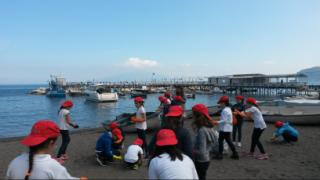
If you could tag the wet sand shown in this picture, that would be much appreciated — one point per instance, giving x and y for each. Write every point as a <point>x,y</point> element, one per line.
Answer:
<point>298,161</point>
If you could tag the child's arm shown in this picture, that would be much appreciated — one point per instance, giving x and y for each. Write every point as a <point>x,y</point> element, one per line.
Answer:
<point>136,119</point>
<point>68,119</point>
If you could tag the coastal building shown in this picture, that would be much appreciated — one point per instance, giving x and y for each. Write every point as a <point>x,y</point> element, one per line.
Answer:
<point>259,80</point>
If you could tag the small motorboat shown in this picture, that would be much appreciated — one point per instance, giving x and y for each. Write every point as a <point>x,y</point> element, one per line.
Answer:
<point>98,93</point>
<point>298,115</point>
<point>191,96</point>
<point>138,93</point>
<point>39,91</point>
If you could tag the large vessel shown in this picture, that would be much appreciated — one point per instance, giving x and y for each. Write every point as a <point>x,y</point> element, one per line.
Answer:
<point>56,87</point>
<point>98,93</point>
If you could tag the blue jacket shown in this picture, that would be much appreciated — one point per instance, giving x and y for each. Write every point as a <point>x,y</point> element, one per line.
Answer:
<point>286,127</point>
<point>104,144</point>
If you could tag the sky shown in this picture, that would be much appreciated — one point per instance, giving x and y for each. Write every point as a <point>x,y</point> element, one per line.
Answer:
<point>115,40</point>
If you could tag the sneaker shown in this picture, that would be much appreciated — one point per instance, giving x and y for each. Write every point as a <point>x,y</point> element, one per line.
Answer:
<point>239,144</point>
<point>262,157</point>
<point>119,158</point>
<point>235,156</point>
<point>64,157</point>
<point>100,162</point>
<point>135,167</point>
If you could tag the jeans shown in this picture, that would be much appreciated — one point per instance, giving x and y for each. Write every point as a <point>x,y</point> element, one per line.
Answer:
<point>142,135</point>
<point>202,168</point>
<point>237,129</point>
<point>65,142</point>
<point>225,136</point>
<point>288,137</point>
<point>255,140</point>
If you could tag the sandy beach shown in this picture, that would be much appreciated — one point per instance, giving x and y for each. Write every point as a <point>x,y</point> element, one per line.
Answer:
<point>298,161</point>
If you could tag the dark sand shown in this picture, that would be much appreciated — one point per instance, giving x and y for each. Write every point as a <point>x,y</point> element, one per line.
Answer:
<point>298,161</point>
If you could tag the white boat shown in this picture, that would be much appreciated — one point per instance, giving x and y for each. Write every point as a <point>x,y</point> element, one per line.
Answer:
<point>39,91</point>
<point>98,93</point>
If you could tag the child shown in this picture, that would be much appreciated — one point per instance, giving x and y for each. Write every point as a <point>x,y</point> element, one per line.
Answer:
<point>133,157</point>
<point>204,140</point>
<point>163,108</point>
<point>141,122</point>
<point>64,124</point>
<point>288,133</point>
<point>167,95</point>
<point>38,164</point>
<point>117,139</point>
<point>253,112</point>
<point>225,128</point>
<point>104,151</point>
<point>237,128</point>
<point>172,121</point>
<point>169,162</point>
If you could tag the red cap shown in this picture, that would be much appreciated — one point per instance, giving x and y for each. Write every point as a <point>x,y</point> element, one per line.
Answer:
<point>163,99</point>
<point>138,141</point>
<point>251,100</point>
<point>239,97</point>
<point>178,98</point>
<point>167,94</point>
<point>278,124</point>
<point>67,104</point>
<point>223,99</point>
<point>116,132</point>
<point>175,111</point>
<point>113,125</point>
<point>40,132</point>
<point>166,137</point>
<point>201,108</point>
<point>138,99</point>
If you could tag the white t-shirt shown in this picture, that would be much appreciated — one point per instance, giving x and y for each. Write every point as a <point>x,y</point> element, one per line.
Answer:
<point>163,168</point>
<point>63,125</point>
<point>257,117</point>
<point>140,114</point>
<point>132,153</point>
<point>44,167</point>
<point>225,123</point>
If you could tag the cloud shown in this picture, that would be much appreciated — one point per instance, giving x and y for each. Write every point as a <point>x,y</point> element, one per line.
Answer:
<point>140,63</point>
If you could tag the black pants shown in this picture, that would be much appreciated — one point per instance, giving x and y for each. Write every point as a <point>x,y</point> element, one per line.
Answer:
<point>288,137</point>
<point>142,135</point>
<point>104,157</point>
<point>237,129</point>
<point>225,136</point>
<point>65,142</point>
<point>255,140</point>
<point>202,168</point>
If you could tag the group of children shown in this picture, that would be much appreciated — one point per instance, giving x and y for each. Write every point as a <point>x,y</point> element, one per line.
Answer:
<point>172,152</point>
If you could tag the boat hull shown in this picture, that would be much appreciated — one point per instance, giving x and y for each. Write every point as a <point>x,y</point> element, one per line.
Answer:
<point>104,97</point>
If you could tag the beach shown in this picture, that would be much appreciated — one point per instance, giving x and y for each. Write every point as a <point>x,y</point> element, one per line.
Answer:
<point>298,161</point>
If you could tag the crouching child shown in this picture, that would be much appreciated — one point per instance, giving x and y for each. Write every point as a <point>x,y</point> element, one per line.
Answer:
<point>104,152</point>
<point>133,157</point>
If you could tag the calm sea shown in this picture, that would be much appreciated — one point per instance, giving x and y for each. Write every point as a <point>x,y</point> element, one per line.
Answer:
<point>19,110</point>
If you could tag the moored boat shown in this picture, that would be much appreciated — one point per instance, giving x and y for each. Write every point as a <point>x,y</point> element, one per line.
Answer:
<point>56,87</point>
<point>98,93</point>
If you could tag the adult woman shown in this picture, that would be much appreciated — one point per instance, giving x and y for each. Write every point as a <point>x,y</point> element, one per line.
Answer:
<point>64,124</point>
<point>141,122</point>
<point>225,127</point>
<point>204,139</point>
<point>253,113</point>
<point>38,164</point>
<point>168,162</point>
<point>237,128</point>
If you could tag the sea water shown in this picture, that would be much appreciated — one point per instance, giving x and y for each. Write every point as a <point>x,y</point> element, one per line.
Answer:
<point>19,109</point>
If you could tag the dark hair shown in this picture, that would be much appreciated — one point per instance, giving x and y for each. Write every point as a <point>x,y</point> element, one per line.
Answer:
<point>200,120</point>
<point>173,152</point>
<point>33,150</point>
<point>180,91</point>
<point>172,122</point>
